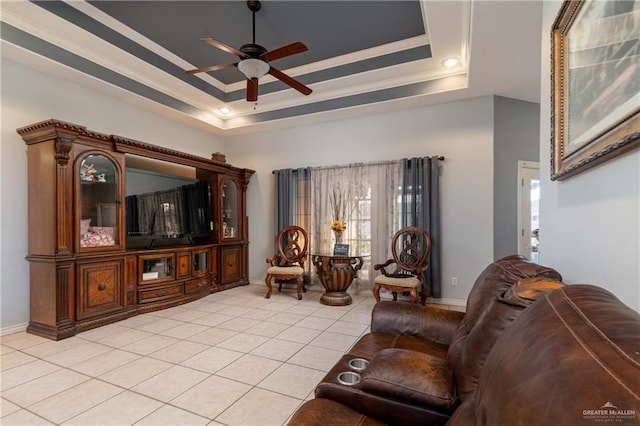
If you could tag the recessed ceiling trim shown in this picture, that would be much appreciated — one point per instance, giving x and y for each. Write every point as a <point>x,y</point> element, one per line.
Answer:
<point>143,50</point>
<point>352,58</point>
<point>143,41</point>
<point>352,85</point>
<point>99,51</point>
<point>319,67</point>
<point>362,99</point>
<point>21,39</point>
<point>59,23</point>
<point>78,40</point>
<point>270,85</point>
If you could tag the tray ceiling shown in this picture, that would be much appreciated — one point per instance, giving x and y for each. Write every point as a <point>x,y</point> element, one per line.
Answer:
<point>363,56</point>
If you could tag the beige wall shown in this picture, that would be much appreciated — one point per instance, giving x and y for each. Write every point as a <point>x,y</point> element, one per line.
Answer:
<point>461,131</point>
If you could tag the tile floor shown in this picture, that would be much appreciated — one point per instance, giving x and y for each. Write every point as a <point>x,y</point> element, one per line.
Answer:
<point>231,358</point>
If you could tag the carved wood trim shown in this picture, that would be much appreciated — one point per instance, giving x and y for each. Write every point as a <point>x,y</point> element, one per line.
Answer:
<point>64,203</point>
<point>129,146</point>
<point>65,297</point>
<point>64,143</point>
<point>49,129</point>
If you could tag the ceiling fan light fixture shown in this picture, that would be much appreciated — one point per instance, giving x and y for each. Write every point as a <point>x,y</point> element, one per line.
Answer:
<point>254,60</point>
<point>253,68</point>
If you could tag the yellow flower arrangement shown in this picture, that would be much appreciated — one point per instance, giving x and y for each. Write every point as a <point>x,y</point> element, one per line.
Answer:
<point>338,226</point>
<point>338,202</point>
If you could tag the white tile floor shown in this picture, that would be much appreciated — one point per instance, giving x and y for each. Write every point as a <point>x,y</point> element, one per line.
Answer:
<point>230,358</point>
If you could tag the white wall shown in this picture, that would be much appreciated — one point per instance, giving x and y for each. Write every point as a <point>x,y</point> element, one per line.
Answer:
<point>461,131</point>
<point>29,96</point>
<point>589,223</point>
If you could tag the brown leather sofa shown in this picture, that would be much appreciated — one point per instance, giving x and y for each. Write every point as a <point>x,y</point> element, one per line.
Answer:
<point>528,351</point>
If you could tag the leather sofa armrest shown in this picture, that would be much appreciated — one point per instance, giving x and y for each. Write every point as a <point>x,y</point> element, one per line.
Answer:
<point>430,323</point>
<point>322,412</point>
<point>387,410</point>
<point>411,376</point>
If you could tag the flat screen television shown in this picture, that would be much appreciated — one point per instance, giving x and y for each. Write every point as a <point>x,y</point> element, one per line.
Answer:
<point>166,210</point>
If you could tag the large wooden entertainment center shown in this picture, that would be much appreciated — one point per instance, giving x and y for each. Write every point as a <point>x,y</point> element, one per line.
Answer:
<point>85,269</point>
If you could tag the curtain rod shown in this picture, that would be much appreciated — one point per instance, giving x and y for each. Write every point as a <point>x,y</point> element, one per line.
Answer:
<point>335,166</point>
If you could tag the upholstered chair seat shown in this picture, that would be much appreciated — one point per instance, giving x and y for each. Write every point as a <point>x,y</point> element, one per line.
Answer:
<point>285,270</point>
<point>404,271</point>
<point>288,263</point>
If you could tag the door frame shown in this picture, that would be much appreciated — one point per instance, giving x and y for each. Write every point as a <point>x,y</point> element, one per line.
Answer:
<point>526,170</point>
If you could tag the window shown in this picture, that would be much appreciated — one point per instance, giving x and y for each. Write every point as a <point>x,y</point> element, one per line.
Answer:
<point>375,208</point>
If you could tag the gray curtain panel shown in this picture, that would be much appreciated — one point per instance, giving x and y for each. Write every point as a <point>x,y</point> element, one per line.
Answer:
<point>421,207</point>
<point>287,183</point>
<point>284,199</point>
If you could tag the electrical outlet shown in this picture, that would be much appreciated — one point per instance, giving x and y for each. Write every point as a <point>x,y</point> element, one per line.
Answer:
<point>454,280</point>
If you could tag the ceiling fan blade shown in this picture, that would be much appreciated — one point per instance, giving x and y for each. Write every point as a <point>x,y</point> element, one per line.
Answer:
<point>211,68</point>
<point>222,46</point>
<point>252,90</point>
<point>290,81</point>
<point>284,51</point>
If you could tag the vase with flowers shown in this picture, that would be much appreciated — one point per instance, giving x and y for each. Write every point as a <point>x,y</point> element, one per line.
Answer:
<point>338,229</point>
<point>339,201</point>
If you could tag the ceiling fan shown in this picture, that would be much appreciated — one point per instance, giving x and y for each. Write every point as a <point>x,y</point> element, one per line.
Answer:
<point>254,60</point>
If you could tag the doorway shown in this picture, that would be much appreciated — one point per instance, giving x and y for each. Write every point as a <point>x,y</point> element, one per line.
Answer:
<point>529,209</point>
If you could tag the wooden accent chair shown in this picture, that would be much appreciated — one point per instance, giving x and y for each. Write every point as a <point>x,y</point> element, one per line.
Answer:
<point>410,248</point>
<point>288,262</point>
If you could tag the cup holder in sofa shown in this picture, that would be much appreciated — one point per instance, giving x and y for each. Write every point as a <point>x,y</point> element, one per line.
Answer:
<point>348,378</point>
<point>358,364</point>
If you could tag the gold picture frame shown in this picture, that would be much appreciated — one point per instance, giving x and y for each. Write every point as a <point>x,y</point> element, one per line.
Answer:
<point>595,78</point>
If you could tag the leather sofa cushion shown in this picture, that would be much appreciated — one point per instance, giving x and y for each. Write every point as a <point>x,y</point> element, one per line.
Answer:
<point>372,343</point>
<point>426,322</point>
<point>493,281</point>
<point>468,354</point>
<point>572,352</point>
<point>411,376</point>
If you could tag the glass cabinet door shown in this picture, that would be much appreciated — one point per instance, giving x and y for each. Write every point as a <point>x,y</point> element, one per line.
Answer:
<point>98,195</point>
<point>155,268</point>
<point>200,262</point>
<point>230,198</point>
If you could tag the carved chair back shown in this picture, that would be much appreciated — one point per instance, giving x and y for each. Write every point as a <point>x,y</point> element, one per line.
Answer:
<point>292,246</point>
<point>410,249</point>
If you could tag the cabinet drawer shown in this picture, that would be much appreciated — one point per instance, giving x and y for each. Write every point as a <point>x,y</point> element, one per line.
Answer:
<point>160,293</point>
<point>196,286</point>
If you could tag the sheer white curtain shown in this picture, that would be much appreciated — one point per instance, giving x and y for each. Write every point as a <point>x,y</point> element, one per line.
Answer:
<point>371,194</point>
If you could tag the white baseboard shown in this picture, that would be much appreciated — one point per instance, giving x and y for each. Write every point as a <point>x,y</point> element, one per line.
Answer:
<point>13,329</point>
<point>452,302</point>
<point>441,301</point>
